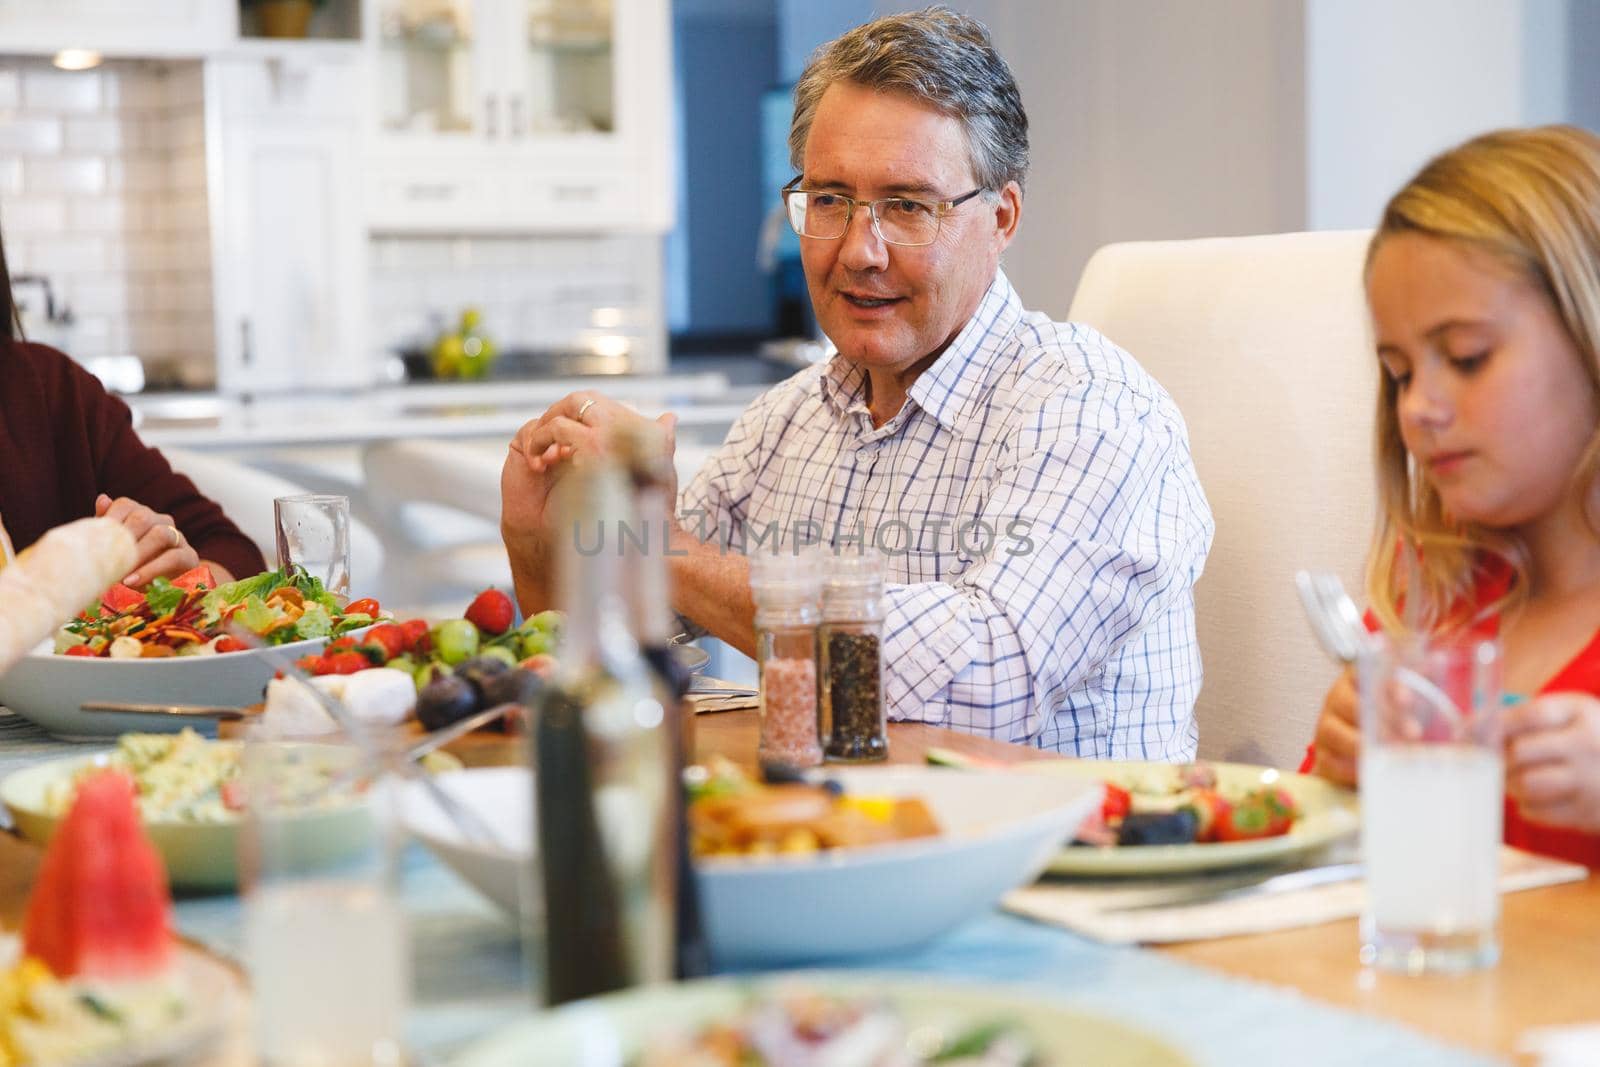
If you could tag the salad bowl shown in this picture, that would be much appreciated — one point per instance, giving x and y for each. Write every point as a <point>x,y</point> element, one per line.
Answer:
<point>50,690</point>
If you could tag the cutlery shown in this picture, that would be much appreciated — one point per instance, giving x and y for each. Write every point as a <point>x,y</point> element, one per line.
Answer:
<point>1338,626</point>
<point>182,711</point>
<point>1305,878</point>
<point>430,743</point>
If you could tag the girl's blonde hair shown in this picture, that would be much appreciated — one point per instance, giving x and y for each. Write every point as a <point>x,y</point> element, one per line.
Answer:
<point>1528,199</point>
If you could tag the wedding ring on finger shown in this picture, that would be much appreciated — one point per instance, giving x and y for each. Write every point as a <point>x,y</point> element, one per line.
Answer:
<point>174,535</point>
<point>584,407</point>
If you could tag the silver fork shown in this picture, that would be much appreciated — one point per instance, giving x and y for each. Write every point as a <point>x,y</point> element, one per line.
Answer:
<point>1340,630</point>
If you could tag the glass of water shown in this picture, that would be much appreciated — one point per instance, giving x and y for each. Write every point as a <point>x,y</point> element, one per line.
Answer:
<point>1432,782</point>
<point>325,932</point>
<point>314,533</point>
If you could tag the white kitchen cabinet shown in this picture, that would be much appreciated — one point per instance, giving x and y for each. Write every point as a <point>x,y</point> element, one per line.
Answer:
<point>136,28</point>
<point>283,143</point>
<point>520,115</point>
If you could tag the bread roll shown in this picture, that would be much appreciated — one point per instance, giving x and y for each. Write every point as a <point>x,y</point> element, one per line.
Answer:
<point>57,577</point>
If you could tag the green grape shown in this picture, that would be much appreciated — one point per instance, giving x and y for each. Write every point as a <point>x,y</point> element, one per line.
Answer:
<point>546,622</point>
<point>455,640</point>
<point>501,653</point>
<point>534,642</point>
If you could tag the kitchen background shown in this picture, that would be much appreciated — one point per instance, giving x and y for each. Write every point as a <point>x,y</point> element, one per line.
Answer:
<point>270,241</point>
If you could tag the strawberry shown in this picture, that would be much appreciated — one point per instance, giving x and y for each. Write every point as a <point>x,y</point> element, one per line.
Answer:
<point>491,611</point>
<point>389,637</point>
<point>416,635</point>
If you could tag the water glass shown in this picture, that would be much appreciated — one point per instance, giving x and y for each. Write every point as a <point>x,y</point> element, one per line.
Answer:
<point>325,936</point>
<point>314,533</point>
<point>1432,779</point>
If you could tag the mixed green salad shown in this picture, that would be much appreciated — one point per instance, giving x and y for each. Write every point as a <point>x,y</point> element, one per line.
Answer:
<point>192,615</point>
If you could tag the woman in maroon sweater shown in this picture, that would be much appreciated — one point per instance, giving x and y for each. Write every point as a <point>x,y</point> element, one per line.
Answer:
<point>70,452</point>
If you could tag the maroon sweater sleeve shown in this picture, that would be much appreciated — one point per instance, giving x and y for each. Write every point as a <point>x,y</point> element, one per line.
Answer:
<point>66,440</point>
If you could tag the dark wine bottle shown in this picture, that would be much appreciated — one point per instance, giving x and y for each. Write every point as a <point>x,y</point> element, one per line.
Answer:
<point>642,452</point>
<point>607,782</point>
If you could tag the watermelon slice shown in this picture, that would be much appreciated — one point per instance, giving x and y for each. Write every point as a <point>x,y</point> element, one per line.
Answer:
<point>195,576</point>
<point>101,907</point>
<point>120,598</point>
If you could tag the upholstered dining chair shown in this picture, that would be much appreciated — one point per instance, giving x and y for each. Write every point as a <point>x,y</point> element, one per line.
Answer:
<point>1265,345</point>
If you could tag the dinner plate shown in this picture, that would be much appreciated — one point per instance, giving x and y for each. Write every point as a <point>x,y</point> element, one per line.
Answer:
<point>1329,814</point>
<point>997,831</point>
<point>215,995</point>
<point>198,856</point>
<point>619,1027</point>
<point>48,689</point>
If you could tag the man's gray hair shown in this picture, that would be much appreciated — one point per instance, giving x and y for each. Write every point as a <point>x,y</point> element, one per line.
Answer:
<point>941,58</point>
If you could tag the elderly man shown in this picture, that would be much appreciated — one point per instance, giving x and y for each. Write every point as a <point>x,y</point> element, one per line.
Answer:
<point>1030,485</point>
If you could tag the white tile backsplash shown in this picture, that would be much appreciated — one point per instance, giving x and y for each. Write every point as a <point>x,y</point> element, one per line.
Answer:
<point>64,174</point>
<point>46,89</point>
<point>102,188</point>
<point>40,135</point>
<point>533,292</point>
<point>102,134</point>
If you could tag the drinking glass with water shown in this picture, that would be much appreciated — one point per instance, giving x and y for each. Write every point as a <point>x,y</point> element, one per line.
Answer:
<point>314,533</point>
<point>1432,779</point>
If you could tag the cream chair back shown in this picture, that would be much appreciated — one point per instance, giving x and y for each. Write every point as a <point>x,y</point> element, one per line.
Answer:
<point>1264,343</point>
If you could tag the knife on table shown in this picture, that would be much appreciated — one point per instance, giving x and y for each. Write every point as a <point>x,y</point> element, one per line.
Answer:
<point>1306,878</point>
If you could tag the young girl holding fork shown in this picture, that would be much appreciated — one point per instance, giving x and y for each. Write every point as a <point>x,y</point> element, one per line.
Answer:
<point>1483,281</point>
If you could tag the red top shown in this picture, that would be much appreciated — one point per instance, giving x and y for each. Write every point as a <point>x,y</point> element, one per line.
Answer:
<point>65,440</point>
<point>1581,675</point>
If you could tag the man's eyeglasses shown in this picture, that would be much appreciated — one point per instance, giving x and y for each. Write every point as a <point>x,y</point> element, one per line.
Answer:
<point>898,220</point>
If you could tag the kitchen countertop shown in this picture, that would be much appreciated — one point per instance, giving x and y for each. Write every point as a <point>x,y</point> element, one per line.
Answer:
<point>703,400</point>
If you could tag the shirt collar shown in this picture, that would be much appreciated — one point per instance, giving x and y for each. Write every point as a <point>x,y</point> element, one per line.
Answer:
<point>952,384</point>
<point>949,388</point>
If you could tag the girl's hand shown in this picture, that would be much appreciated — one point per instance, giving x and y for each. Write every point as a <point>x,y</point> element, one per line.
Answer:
<point>1337,748</point>
<point>1553,759</point>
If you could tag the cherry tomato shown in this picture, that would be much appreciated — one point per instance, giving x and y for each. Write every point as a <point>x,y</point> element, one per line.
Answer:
<point>230,643</point>
<point>80,650</point>
<point>346,662</point>
<point>364,606</point>
<point>1116,804</point>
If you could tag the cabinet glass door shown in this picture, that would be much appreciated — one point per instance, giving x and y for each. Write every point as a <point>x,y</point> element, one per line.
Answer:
<point>568,69</point>
<point>430,71</point>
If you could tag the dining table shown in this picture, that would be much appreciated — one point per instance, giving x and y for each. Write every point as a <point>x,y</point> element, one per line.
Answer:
<point>1291,996</point>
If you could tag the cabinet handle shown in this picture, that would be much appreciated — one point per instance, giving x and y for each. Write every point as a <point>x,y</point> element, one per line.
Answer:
<point>517,128</point>
<point>246,348</point>
<point>491,116</point>
<point>430,191</point>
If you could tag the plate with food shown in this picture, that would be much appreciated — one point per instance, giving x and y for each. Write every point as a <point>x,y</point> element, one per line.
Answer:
<point>766,855</point>
<point>191,800</point>
<point>173,644</point>
<point>833,1018</point>
<point>95,977</point>
<point>1159,818</point>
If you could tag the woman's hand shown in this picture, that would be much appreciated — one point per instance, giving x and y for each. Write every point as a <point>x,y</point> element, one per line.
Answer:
<point>1553,759</point>
<point>1337,748</point>
<point>162,550</point>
